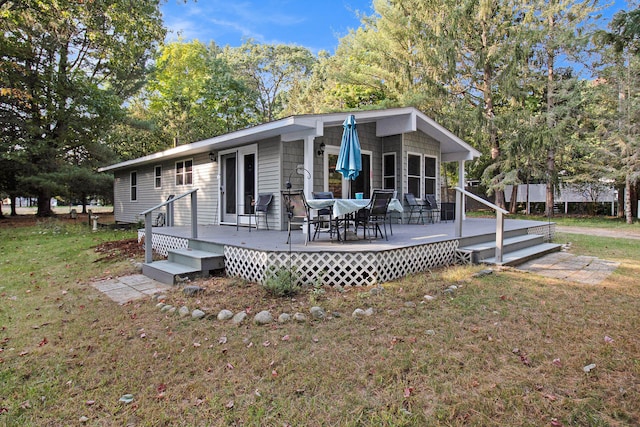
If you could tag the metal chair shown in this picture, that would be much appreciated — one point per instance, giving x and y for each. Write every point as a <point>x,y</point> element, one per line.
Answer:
<point>324,215</point>
<point>259,208</point>
<point>375,214</point>
<point>298,211</point>
<point>415,206</point>
<point>432,206</point>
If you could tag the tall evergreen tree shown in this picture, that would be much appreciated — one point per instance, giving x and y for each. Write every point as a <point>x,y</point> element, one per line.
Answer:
<point>66,68</point>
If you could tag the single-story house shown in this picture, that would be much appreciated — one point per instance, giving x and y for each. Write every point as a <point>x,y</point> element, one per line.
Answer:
<point>402,149</point>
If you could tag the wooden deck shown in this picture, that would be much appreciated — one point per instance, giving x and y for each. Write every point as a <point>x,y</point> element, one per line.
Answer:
<point>411,248</point>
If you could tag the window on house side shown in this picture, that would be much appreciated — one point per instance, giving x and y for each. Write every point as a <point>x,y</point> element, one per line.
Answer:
<point>134,186</point>
<point>158,177</point>
<point>184,172</point>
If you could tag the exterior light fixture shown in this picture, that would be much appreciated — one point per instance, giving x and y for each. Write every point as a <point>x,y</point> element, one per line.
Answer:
<point>213,156</point>
<point>321,149</point>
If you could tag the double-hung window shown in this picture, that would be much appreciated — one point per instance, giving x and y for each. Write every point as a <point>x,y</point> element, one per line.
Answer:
<point>414,175</point>
<point>430,175</point>
<point>184,172</point>
<point>158,177</point>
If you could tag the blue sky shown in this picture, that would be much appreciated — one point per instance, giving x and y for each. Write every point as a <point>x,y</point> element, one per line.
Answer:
<point>314,24</point>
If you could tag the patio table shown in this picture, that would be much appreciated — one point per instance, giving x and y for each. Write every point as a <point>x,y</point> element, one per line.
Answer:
<point>345,207</point>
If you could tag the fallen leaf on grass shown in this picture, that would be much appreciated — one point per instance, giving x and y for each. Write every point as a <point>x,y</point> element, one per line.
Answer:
<point>230,367</point>
<point>222,340</point>
<point>557,362</point>
<point>589,368</point>
<point>43,342</point>
<point>90,402</point>
<point>25,405</point>
<point>229,404</point>
<point>408,391</point>
<point>196,344</point>
<point>161,388</point>
<point>551,397</point>
<point>555,422</point>
<point>608,339</point>
<point>285,338</point>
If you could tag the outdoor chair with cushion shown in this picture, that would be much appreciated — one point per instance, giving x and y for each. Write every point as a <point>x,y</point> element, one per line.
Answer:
<point>415,206</point>
<point>324,215</point>
<point>375,214</point>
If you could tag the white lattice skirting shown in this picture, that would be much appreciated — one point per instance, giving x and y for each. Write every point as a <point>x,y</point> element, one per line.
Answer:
<point>547,230</point>
<point>343,268</point>
<point>162,243</point>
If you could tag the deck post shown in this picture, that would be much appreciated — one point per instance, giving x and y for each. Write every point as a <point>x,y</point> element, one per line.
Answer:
<point>458,214</point>
<point>194,215</point>
<point>148,238</point>
<point>499,236</point>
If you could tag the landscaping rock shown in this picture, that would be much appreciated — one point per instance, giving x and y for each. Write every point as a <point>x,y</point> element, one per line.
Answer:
<point>239,317</point>
<point>358,312</point>
<point>429,297</point>
<point>197,314</point>
<point>172,310</point>
<point>284,318</point>
<point>317,313</point>
<point>166,308</point>
<point>183,311</point>
<point>161,297</point>
<point>160,305</point>
<point>483,273</point>
<point>225,315</point>
<point>410,304</point>
<point>263,318</point>
<point>300,317</point>
<point>192,290</point>
<point>369,311</point>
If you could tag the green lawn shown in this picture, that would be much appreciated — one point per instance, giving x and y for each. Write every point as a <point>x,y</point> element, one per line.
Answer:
<point>504,349</point>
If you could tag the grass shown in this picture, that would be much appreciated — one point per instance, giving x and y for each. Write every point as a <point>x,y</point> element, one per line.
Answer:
<point>504,349</point>
<point>608,222</point>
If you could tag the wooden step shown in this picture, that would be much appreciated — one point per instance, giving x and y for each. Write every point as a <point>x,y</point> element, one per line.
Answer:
<point>198,259</point>
<point>167,271</point>
<point>487,249</point>
<point>523,255</point>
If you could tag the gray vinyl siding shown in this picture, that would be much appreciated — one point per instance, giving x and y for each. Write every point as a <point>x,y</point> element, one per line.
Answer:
<point>204,178</point>
<point>292,156</point>
<point>269,177</point>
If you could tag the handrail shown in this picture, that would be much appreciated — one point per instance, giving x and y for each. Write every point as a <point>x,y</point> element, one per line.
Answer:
<point>499,219</point>
<point>166,202</point>
<point>148,227</point>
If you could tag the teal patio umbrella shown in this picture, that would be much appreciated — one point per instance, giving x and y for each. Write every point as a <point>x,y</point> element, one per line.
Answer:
<point>349,162</point>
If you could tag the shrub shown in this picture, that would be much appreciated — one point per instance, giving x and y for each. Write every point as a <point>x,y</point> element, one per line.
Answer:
<point>281,282</point>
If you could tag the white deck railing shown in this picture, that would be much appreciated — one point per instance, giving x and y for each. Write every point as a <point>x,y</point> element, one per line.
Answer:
<point>148,224</point>
<point>499,219</point>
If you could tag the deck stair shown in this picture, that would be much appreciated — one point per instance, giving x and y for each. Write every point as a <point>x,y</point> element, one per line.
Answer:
<point>197,260</point>
<point>518,247</point>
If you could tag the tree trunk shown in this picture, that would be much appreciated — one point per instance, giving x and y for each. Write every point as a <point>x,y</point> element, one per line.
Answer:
<point>14,199</point>
<point>514,199</point>
<point>628,211</point>
<point>44,204</point>
<point>551,154</point>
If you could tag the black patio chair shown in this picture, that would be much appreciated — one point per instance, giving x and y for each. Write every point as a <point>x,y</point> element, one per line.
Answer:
<point>432,206</point>
<point>298,211</point>
<point>259,208</point>
<point>375,214</point>
<point>324,215</point>
<point>415,206</point>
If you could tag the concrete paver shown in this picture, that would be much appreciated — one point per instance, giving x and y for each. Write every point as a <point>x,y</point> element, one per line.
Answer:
<point>565,266</point>
<point>129,288</point>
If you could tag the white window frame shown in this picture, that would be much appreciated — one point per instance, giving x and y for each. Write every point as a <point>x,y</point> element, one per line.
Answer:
<point>385,176</point>
<point>184,174</point>
<point>133,187</point>
<point>157,178</point>
<point>434,177</point>
<point>419,176</point>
